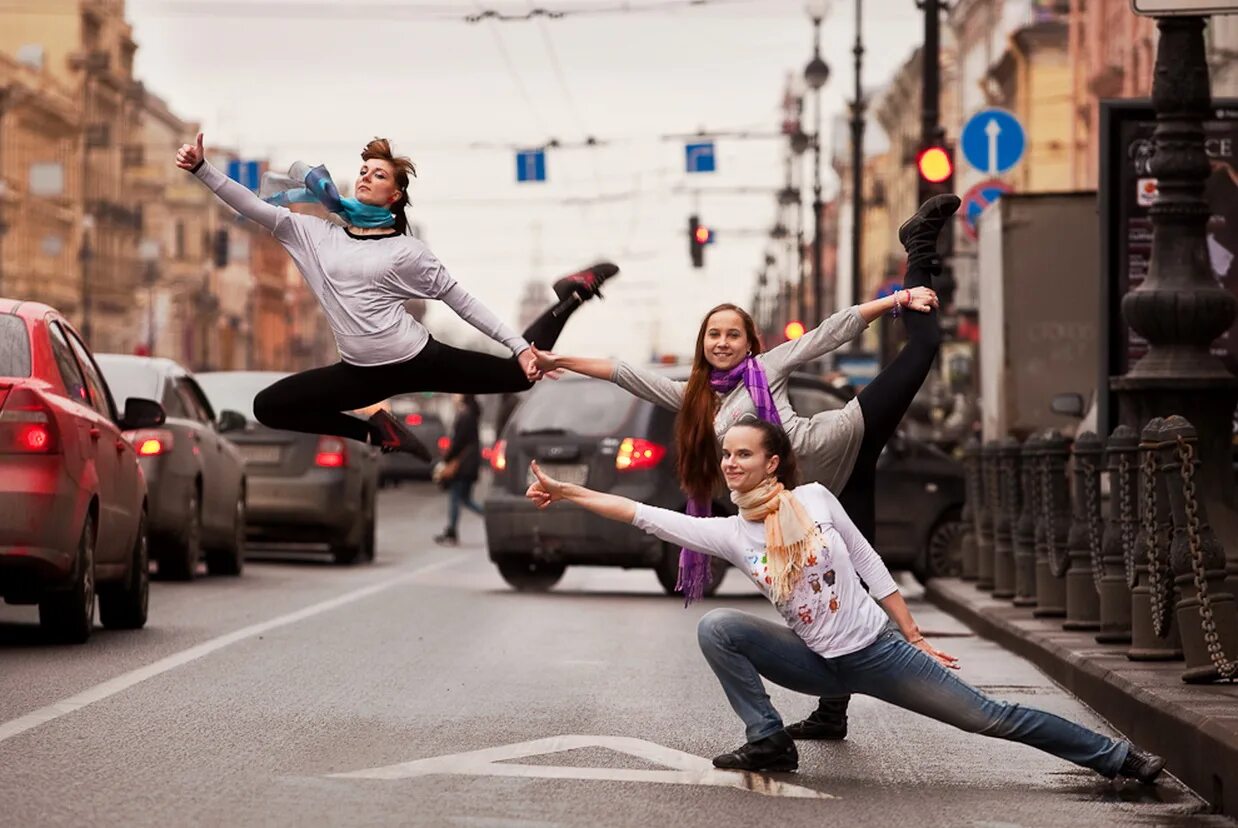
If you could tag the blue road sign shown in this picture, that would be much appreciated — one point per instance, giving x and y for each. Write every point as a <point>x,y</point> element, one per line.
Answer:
<point>245,173</point>
<point>531,165</point>
<point>977,199</point>
<point>993,141</point>
<point>699,158</point>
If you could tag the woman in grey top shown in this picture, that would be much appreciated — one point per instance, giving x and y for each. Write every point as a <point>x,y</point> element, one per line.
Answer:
<point>363,273</point>
<point>731,377</point>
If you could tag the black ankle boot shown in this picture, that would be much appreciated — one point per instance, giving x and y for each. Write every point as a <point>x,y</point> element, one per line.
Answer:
<point>1141,765</point>
<point>827,723</point>
<point>773,753</point>
<point>918,235</point>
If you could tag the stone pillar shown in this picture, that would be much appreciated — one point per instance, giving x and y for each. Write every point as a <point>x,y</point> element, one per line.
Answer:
<point>1206,615</point>
<point>971,480</point>
<point>984,540</point>
<point>1007,514</point>
<point>1025,528</point>
<point>1055,517</point>
<point>1154,634</point>
<point>1117,576</point>
<point>1084,539</point>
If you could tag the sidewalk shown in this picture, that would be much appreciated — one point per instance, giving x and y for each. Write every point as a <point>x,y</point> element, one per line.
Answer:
<point>1195,727</point>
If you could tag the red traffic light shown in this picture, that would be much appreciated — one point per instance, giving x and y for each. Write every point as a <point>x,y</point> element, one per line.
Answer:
<point>794,330</point>
<point>934,164</point>
<point>703,234</point>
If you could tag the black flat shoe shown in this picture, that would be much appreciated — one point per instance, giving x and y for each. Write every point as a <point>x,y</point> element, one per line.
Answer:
<point>813,729</point>
<point>587,283</point>
<point>395,437</point>
<point>1141,765</point>
<point>918,234</point>
<point>771,754</point>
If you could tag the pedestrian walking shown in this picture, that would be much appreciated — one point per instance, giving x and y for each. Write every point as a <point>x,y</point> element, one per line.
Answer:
<point>732,377</point>
<point>802,551</point>
<point>461,466</point>
<point>362,274</point>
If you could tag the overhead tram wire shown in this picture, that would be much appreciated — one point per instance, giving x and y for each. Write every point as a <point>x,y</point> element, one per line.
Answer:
<point>515,76</point>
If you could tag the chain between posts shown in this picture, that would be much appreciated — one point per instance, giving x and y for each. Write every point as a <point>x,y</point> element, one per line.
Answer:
<point>1058,563</point>
<point>1127,526</point>
<point>1091,485</point>
<point>1186,459</point>
<point>1158,581</point>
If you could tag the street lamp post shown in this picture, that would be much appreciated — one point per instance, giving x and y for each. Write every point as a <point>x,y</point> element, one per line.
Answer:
<point>857,167</point>
<point>816,73</point>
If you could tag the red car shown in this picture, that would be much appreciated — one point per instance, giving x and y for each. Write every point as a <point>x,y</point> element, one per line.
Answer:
<point>72,495</point>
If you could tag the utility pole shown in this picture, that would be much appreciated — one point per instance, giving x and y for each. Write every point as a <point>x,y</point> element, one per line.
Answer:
<point>931,132</point>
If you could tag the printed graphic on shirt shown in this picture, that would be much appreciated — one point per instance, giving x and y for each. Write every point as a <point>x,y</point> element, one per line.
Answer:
<point>805,614</point>
<point>830,577</point>
<point>833,603</point>
<point>814,580</point>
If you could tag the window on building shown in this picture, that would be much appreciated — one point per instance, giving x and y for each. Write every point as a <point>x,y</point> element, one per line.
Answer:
<point>180,240</point>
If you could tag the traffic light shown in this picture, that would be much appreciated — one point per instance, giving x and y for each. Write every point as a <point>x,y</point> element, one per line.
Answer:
<point>793,330</point>
<point>698,236</point>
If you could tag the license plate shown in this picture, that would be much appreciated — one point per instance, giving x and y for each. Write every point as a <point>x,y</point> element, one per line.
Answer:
<point>575,473</point>
<point>260,455</point>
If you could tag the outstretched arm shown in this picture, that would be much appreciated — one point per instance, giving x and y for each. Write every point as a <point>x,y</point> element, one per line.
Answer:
<point>595,367</point>
<point>192,158</point>
<point>647,385</point>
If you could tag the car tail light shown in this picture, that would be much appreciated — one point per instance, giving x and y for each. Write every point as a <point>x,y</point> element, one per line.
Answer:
<point>27,425</point>
<point>412,419</point>
<point>444,443</point>
<point>635,453</point>
<point>498,456</point>
<point>151,442</point>
<point>332,453</point>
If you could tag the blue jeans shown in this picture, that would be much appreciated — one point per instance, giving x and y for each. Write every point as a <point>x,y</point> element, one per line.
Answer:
<point>460,493</point>
<point>741,648</point>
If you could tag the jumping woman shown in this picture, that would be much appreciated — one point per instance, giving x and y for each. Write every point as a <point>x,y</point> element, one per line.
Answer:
<point>362,274</point>
<point>801,550</point>
<point>732,377</point>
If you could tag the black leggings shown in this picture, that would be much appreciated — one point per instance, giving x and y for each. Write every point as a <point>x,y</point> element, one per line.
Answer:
<point>313,401</point>
<point>883,403</point>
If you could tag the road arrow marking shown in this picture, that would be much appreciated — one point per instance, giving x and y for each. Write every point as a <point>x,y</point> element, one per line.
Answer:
<point>992,129</point>
<point>687,768</point>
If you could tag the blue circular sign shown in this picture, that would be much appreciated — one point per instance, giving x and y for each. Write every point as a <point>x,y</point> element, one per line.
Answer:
<point>977,199</point>
<point>993,141</point>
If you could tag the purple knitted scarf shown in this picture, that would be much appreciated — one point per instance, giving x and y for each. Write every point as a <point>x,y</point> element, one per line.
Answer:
<point>694,567</point>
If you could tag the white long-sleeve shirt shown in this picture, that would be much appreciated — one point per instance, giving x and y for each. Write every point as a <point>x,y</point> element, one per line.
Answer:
<point>826,444</point>
<point>362,282</point>
<point>828,607</point>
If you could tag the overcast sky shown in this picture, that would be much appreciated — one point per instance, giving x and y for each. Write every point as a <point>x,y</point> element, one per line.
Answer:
<point>315,80</point>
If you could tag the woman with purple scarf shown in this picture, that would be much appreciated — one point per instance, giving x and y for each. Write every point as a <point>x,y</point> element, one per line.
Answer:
<point>731,377</point>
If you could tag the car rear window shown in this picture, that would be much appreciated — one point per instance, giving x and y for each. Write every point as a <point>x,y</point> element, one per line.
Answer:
<point>130,378</point>
<point>14,347</point>
<point>590,408</point>
<point>235,391</point>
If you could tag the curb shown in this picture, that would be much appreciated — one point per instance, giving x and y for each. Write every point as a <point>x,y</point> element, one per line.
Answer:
<point>1195,727</point>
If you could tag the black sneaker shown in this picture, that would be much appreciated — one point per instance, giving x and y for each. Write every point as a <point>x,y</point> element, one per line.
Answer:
<point>587,283</point>
<point>1141,765</point>
<point>395,437</point>
<point>827,723</point>
<point>918,234</point>
<point>447,539</point>
<point>773,753</point>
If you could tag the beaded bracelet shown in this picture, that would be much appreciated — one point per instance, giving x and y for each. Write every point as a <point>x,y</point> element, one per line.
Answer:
<point>898,306</point>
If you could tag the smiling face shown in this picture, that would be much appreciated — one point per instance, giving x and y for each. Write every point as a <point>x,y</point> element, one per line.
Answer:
<point>745,462</point>
<point>725,340</point>
<point>376,183</point>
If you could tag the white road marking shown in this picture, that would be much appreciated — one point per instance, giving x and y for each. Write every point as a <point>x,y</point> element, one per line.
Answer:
<point>124,681</point>
<point>689,769</point>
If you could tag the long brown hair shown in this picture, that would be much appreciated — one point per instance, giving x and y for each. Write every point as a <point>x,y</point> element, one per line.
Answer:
<point>695,440</point>
<point>380,148</point>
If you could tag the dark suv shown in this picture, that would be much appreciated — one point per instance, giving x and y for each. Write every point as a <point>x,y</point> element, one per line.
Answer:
<point>594,433</point>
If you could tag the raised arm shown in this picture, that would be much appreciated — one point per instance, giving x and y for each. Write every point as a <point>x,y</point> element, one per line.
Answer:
<point>715,536</point>
<point>192,158</point>
<point>481,317</point>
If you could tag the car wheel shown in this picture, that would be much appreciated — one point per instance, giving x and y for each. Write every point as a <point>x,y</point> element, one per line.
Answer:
<point>230,558</point>
<point>124,606</point>
<point>527,575</point>
<point>69,615</point>
<point>180,562</point>
<point>348,551</point>
<point>667,571</point>
<point>942,554</point>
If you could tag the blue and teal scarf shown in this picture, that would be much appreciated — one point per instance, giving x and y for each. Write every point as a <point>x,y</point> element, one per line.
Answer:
<point>313,185</point>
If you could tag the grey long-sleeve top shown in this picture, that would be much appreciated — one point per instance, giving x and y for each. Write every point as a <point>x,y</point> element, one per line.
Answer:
<point>362,282</point>
<point>825,444</point>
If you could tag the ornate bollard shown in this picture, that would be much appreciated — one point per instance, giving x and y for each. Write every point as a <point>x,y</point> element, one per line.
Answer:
<point>1117,576</point>
<point>985,517</point>
<point>1206,614</point>
<point>1055,516</point>
<point>1007,514</point>
<point>971,482</point>
<point>1084,541</point>
<point>1154,634</point>
<point>1025,528</point>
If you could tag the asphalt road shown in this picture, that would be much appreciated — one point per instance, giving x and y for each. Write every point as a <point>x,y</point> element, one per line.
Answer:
<point>421,690</point>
